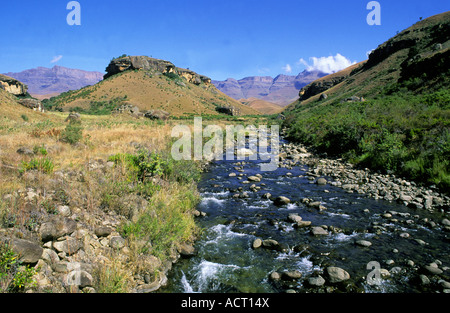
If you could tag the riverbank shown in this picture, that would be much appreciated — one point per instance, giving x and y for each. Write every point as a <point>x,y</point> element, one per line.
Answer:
<point>364,181</point>
<point>108,213</point>
<point>302,229</point>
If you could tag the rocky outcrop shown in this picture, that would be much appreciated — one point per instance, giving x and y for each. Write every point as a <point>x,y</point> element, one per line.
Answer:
<point>145,63</point>
<point>229,110</point>
<point>33,104</point>
<point>13,86</point>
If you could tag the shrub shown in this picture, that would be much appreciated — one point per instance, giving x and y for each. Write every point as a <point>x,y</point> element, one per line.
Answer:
<point>73,132</point>
<point>13,277</point>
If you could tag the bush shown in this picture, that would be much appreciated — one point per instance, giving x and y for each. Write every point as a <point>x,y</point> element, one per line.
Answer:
<point>73,132</point>
<point>403,133</point>
<point>13,277</point>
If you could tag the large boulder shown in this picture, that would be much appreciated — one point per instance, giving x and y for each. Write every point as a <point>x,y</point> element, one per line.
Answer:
<point>57,227</point>
<point>29,252</point>
<point>33,104</point>
<point>157,115</point>
<point>337,274</point>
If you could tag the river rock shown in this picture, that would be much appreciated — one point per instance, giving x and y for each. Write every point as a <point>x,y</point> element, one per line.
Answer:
<point>291,275</point>
<point>281,200</point>
<point>294,217</point>
<point>275,276</point>
<point>266,196</point>
<point>254,178</point>
<point>318,231</point>
<point>302,224</point>
<point>433,269</point>
<point>321,181</point>
<point>316,281</point>
<point>186,250</point>
<point>257,243</point>
<point>337,274</point>
<point>243,152</point>
<point>363,243</point>
<point>271,244</point>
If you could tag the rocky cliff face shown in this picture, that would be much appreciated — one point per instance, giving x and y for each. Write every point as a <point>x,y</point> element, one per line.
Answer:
<point>13,86</point>
<point>145,63</point>
<point>281,90</point>
<point>43,81</point>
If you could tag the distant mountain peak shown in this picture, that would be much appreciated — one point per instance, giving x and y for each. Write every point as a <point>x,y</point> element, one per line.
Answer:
<point>55,80</point>
<point>281,90</point>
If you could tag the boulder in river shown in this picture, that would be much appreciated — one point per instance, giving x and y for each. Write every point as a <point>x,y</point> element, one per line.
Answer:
<point>318,231</point>
<point>281,200</point>
<point>337,274</point>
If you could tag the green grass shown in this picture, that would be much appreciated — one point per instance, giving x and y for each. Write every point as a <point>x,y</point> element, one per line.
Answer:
<point>167,220</point>
<point>403,133</point>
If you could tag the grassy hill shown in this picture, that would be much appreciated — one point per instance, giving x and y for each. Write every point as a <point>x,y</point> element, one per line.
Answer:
<point>12,112</point>
<point>149,89</point>
<point>390,113</point>
<point>265,107</point>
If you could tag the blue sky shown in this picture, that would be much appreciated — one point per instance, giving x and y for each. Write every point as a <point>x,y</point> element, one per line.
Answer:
<point>217,38</point>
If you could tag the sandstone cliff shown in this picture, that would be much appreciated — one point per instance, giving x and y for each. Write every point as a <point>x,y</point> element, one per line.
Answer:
<point>145,63</point>
<point>13,86</point>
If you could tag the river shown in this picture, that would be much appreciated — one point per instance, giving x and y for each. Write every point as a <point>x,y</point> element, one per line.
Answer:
<point>402,243</point>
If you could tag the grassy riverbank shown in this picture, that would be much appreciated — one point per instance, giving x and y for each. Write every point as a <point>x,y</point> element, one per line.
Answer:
<point>404,133</point>
<point>107,170</point>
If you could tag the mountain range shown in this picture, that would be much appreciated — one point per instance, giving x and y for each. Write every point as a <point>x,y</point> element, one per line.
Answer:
<point>53,81</point>
<point>281,90</point>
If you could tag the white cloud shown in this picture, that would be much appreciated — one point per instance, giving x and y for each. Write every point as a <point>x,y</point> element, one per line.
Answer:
<point>331,64</point>
<point>369,52</point>
<point>56,58</point>
<point>287,68</point>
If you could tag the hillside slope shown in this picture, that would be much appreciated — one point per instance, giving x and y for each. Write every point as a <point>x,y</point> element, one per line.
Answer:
<point>416,59</point>
<point>390,113</point>
<point>265,107</point>
<point>150,84</point>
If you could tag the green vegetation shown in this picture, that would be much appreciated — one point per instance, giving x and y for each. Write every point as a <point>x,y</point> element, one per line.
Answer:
<point>44,165</point>
<point>403,133</point>
<point>167,219</point>
<point>13,276</point>
<point>73,132</point>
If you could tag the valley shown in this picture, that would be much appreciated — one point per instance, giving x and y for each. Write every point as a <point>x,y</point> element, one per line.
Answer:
<point>92,199</point>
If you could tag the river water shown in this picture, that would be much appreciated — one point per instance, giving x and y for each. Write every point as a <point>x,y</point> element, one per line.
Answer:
<point>226,262</point>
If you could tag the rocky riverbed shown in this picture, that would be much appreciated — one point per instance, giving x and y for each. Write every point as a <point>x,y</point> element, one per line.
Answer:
<point>316,225</point>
